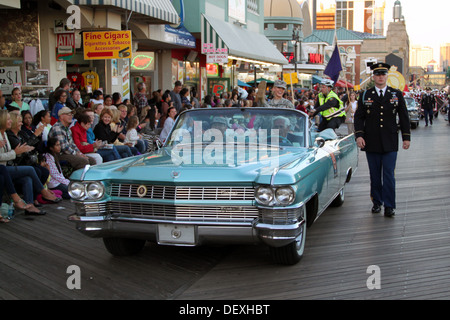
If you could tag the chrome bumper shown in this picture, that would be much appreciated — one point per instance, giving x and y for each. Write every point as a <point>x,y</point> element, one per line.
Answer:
<point>141,227</point>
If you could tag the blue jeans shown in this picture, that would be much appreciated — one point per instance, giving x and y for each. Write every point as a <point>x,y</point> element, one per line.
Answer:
<point>26,177</point>
<point>109,154</point>
<point>142,146</point>
<point>5,182</point>
<point>382,177</point>
<point>124,151</point>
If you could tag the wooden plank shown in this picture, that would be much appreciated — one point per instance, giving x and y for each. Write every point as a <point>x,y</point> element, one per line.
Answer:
<point>412,249</point>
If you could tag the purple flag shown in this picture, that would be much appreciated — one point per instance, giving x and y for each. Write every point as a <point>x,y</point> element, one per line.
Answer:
<point>334,65</point>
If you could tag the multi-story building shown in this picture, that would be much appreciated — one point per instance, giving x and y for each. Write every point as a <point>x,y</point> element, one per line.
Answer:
<point>420,56</point>
<point>357,15</point>
<point>361,15</point>
<point>444,56</point>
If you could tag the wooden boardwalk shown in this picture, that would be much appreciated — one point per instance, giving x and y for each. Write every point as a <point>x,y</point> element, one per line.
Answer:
<point>411,250</point>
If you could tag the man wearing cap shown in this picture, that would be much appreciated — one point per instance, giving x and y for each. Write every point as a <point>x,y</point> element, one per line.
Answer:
<point>376,133</point>
<point>69,151</point>
<point>278,101</point>
<point>428,102</point>
<point>330,107</point>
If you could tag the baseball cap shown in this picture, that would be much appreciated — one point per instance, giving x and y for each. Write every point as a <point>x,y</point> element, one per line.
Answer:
<point>64,110</point>
<point>280,84</point>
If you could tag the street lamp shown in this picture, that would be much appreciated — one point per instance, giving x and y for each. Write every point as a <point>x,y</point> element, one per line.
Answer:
<point>295,40</point>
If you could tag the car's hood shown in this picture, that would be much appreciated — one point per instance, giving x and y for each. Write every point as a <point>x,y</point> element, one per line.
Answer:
<point>167,167</point>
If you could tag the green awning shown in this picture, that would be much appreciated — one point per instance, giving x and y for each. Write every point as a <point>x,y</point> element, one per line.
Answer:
<point>162,10</point>
<point>260,80</point>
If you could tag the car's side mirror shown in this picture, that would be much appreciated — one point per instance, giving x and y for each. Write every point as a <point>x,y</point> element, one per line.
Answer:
<point>319,142</point>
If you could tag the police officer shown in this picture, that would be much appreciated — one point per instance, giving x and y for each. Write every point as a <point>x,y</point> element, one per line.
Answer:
<point>428,102</point>
<point>330,107</point>
<point>376,133</point>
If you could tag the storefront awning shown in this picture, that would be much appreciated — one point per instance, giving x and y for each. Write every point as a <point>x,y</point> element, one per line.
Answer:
<point>343,84</point>
<point>161,10</point>
<point>239,42</point>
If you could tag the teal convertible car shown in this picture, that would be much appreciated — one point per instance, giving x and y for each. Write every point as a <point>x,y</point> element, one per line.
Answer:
<point>223,176</point>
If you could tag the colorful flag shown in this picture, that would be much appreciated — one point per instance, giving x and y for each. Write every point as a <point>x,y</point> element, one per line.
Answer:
<point>334,65</point>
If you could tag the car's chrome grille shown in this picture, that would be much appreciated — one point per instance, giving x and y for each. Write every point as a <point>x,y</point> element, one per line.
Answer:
<point>181,192</point>
<point>185,213</point>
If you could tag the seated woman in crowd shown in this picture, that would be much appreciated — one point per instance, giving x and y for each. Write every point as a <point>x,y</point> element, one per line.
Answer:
<point>166,103</point>
<point>150,131</point>
<point>107,153</point>
<point>27,122</point>
<point>16,137</point>
<point>79,136</point>
<point>17,102</point>
<point>61,98</point>
<point>24,176</point>
<point>57,179</point>
<point>168,124</point>
<point>43,119</point>
<point>117,99</point>
<point>116,123</point>
<point>98,108</point>
<point>104,132</point>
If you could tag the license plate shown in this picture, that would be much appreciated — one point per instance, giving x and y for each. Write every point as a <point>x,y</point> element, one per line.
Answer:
<point>176,234</point>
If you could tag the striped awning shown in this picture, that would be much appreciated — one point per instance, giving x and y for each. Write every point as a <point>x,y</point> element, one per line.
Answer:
<point>220,36</point>
<point>158,9</point>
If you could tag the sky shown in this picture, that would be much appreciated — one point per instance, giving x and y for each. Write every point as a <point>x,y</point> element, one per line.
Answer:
<point>427,21</point>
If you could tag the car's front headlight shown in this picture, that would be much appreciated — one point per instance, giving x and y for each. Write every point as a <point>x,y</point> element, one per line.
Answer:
<point>77,190</point>
<point>284,195</point>
<point>272,196</point>
<point>264,195</point>
<point>86,190</point>
<point>95,190</point>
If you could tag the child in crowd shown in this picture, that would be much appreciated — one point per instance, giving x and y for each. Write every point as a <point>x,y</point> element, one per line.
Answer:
<point>57,179</point>
<point>132,136</point>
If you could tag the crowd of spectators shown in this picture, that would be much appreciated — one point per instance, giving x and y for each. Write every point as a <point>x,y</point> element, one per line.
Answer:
<point>39,151</point>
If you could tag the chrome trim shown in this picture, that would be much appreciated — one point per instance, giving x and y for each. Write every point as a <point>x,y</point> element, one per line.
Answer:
<point>182,192</point>
<point>85,170</point>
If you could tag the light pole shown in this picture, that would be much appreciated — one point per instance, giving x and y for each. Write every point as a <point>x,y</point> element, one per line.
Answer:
<point>295,40</point>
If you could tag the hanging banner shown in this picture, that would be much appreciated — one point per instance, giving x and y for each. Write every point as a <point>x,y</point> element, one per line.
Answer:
<point>107,45</point>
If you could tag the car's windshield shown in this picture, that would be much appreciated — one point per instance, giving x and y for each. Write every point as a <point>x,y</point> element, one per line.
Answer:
<point>281,127</point>
<point>410,103</point>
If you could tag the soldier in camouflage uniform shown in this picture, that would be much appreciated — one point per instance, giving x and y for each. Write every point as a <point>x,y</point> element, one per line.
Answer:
<point>278,101</point>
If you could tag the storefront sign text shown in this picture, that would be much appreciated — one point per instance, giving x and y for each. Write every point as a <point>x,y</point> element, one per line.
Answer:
<point>208,48</point>
<point>107,45</point>
<point>217,58</point>
<point>8,77</point>
<point>65,46</point>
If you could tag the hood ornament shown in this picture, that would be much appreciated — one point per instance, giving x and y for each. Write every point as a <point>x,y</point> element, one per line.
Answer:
<point>175,174</point>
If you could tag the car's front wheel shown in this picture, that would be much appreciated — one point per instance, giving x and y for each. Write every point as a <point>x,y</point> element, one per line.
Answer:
<point>123,246</point>
<point>292,253</point>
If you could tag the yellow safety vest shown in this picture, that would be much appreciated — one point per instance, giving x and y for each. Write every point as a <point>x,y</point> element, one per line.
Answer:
<point>332,112</point>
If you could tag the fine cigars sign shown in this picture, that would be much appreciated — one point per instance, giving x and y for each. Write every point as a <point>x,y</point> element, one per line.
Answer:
<point>107,45</point>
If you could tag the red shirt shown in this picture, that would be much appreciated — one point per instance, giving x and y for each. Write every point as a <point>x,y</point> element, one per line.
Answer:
<point>79,136</point>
